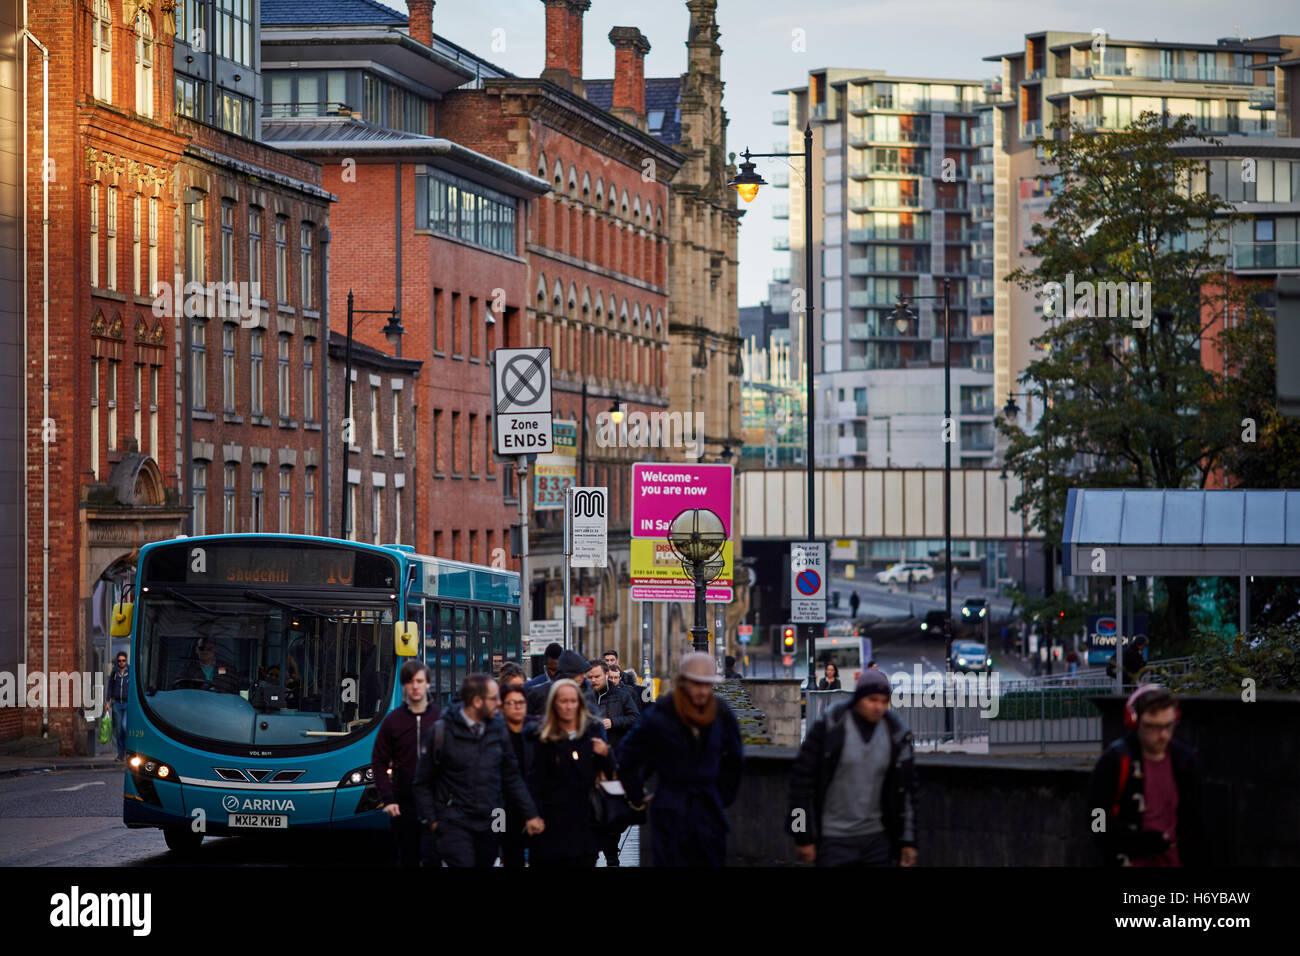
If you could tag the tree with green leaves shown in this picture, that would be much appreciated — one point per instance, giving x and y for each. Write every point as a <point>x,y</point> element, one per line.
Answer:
<point>1130,243</point>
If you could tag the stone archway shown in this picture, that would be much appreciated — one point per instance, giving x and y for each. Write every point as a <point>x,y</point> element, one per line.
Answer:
<point>131,509</point>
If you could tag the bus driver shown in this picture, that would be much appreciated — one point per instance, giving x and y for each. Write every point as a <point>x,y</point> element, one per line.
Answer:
<point>203,672</point>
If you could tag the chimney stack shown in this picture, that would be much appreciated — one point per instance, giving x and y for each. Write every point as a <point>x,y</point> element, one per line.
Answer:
<point>564,42</point>
<point>630,48</point>
<point>420,20</point>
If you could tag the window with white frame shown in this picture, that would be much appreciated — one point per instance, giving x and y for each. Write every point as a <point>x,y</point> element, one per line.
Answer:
<point>138,408</point>
<point>101,41</point>
<point>229,365</point>
<point>258,496</point>
<point>376,515</point>
<point>199,364</point>
<point>112,406</point>
<point>229,506</point>
<point>255,369</point>
<point>198,247</point>
<point>305,263</point>
<point>94,415</point>
<point>397,515</point>
<point>144,49</point>
<point>352,512</point>
<point>397,420</point>
<point>309,501</point>
<point>94,235</point>
<point>227,241</point>
<point>110,234</point>
<point>374,419</point>
<point>255,248</point>
<point>153,243</point>
<point>281,260</point>
<point>153,412</point>
<point>286,498</point>
<point>135,245</point>
<point>199,489</point>
<point>286,403</point>
<point>309,380</point>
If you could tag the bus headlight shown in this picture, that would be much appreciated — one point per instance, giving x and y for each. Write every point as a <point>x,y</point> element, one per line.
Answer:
<point>144,766</point>
<point>361,777</point>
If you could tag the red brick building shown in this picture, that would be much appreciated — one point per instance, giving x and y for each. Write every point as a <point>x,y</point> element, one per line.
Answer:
<point>109,484</point>
<point>597,252</point>
<point>423,225</point>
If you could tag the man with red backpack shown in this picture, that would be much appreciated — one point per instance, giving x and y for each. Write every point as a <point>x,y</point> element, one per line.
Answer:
<point>1144,799</point>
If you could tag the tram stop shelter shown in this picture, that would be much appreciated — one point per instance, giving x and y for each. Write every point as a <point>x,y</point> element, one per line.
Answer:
<point>1130,532</point>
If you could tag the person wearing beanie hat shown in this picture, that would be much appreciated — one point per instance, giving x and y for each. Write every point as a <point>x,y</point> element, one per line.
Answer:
<point>571,666</point>
<point>691,739</point>
<point>853,785</point>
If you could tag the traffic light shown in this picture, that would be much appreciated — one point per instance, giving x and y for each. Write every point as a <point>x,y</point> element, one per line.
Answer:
<point>787,639</point>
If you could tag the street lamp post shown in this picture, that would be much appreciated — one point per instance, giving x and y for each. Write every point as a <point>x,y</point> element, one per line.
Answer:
<point>903,317</point>
<point>697,535</point>
<point>393,331</point>
<point>747,182</point>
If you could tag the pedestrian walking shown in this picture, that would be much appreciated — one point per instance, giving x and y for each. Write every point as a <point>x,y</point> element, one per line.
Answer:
<point>119,690</point>
<point>640,693</point>
<point>569,666</point>
<point>831,679</point>
<point>1072,659</point>
<point>397,749</point>
<point>853,785</point>
<point>570,753</point>
<point>550,664</point>
<point>1148,788</point>
<point>691,739</point>
<point>514,708</point>
<point>510,675</point>
<point>467,773</point>
<point>617,713</point>
<point>855,601</point>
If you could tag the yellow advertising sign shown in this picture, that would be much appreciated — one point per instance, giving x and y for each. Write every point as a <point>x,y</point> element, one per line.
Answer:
<point>655,562</point>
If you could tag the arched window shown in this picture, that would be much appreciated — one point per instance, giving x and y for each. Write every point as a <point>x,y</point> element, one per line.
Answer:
<point>586,186</point>
<point>622,313</point>
<point>636,208</point>
<point>541,165</point>
<point>541,291</point>
<point>600,305</point>
<point>101,41</point>
<point>573,179</point>
<point>600,191</point>
<point>586,301</point>
<point>636,315</point>
<point>557,296</point>
<point>624,203</point>
<point>144,48</point>
<point>558,174</point>
<point>573,299</point>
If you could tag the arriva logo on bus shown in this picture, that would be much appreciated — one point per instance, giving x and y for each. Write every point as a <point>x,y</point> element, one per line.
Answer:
<point>257,805</point>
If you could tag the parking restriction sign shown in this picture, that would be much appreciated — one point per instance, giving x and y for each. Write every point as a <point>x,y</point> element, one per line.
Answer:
<point>808,582</point>
<point>521,400</point>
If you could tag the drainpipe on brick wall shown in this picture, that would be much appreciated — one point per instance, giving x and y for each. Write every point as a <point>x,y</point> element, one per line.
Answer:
<point>323,497</point>
<point>45,345</point>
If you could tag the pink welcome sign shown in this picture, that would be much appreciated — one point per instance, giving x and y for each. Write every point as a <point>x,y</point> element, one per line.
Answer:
<point>661,492</point>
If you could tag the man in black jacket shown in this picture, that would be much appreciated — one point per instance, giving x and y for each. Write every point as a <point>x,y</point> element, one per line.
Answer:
<point>397,745</point>
<point>464,779</point>
<point>550,664</point>
<point>853,785</point>
<point>1144,798</point>
<point>617,713</point>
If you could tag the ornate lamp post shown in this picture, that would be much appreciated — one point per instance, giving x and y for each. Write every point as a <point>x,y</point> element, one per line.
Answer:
<point>696,536</point>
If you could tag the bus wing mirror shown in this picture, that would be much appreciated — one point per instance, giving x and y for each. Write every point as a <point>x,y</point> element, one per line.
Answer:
<point>405,637</point>
<point>122,617</point>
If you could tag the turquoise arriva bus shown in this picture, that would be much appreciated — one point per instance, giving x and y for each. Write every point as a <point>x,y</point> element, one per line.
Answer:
<point>262,665</point>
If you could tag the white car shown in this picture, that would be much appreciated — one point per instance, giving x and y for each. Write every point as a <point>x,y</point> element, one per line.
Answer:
<point>901,573</point>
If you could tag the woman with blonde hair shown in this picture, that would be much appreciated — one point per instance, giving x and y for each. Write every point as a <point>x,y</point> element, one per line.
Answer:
<point>570,751</point>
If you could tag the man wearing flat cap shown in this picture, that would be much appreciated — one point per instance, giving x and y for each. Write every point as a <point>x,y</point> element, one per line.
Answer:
<point>690,737</point>
<point>853,785</point>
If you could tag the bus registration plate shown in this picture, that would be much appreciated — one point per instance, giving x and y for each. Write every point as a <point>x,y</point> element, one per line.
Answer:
<point>260,821</point>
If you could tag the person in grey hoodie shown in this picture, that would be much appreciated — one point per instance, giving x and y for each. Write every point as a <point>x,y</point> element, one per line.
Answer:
<point>853,785</point>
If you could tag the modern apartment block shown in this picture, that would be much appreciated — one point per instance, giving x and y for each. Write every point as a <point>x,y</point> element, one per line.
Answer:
<point>893,159</point>
<point>1236,89</point>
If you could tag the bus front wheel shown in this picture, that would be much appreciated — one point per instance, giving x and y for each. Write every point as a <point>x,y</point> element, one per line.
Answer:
<point>182,840</point>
